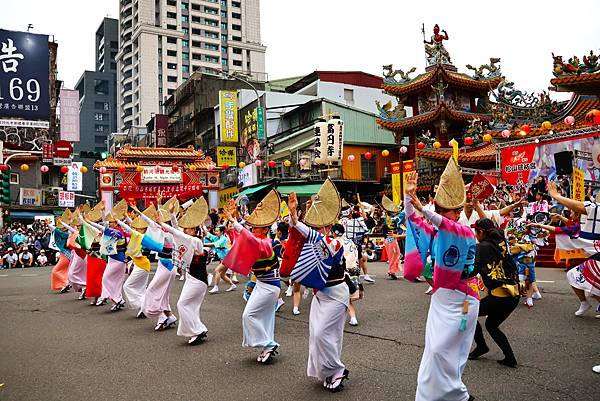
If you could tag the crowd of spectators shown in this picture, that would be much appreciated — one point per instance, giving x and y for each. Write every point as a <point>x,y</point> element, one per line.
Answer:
<point>25,245</point>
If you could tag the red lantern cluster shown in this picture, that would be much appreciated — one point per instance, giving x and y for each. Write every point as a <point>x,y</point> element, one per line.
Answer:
<point>421,145</point>
<point>4,167</point>
<point>468,141</point>
<point>526,128</point>
<point>592,117</point>
<point>272,163</point>
<point>368,155</point>
<point>64,169</point>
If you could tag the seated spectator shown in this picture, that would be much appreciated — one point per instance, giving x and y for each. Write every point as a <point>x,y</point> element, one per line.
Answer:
<point>25,258</point>
<point>18,238</point>
<point>42,259</point>
<point>9,261</point>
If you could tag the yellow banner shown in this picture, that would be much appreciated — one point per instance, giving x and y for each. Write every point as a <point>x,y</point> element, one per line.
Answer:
<point>226,194</point>
<point>455,150</point>
<point>283,210</point>
<point>226,155</point>
<point>229,116</point>
<point>578,185</point>
<point>408,166</point>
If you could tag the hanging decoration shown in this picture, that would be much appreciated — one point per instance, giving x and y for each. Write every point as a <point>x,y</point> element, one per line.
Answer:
<point>4,167</point>
<point>546,125</point>
<point>437,145</point>
<point>272,163</point>
<point>385,153</point>
<point>122,169</point>
<point>302,162</point>
<point>241,165</point>
<point>592,117</point>
<point>420,145</point>
<point>351,158</point>
<point>258,163</point>
<point>139,169</point>
<point>44,169</point>
<point>287,163</point>
<point>487,138</point>
<point>64,169</point>
<point>24,167</point>
<point>102,170</point>
<point>225,166</point>
<point>506,133</point>
<point>210,167</point>
<point>83,169</point>
<point>368,155</point>
<point>526,128</point>
<point>403,149</point>
<point>468,141</point>
<point>569,120</point>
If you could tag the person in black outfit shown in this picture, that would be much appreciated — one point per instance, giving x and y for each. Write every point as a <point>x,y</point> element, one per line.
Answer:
<point>499,274</point>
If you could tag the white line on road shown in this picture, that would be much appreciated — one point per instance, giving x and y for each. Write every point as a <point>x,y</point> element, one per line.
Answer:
<point>542,281</point>
<point>3,275</point>
<point>28,275</point>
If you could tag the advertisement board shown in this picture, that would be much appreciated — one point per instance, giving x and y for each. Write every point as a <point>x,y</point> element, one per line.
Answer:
<point>229,116</point>
<point>75,177</point>
<point>226,155</point>
<point>247,176</point>
<point>24,75</point>
<point>69,115</point>
<point>30,197</point>
<point>66,199</point>
<point>161,130</point>
<point>226,194</point>
<point>160,174</point>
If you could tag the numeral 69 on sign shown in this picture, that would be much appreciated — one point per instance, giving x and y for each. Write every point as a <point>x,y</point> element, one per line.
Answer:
<point>16,91</point>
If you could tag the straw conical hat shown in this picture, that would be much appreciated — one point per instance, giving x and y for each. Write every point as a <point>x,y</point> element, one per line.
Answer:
<point>66,216</point>
<point>195,214</point>
<point>85,208</point>
<point>325,206</point>
<point>75,218</point>
<point>95,214</point>
<point>389,205</point>
<point>118,211</point>
<point>266,212</point>
<point>138,222</point>
<point>451,192</point>
<point>345,204</point>
<point>165,216</point>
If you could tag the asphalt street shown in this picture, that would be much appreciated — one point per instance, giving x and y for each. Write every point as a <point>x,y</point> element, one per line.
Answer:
<point>54,347</point>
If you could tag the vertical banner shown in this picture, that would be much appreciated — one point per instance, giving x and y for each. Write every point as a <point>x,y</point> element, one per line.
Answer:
<point>517,163</point>
<point>260,123</point>
<point>320,147</point>
<point>229,116</point>
<point>161,130</point>
<point>69,115</point>
<point>75,177</point>
<point>578,185</point>
<point>47,152</point>
<point>455,150</point>
<point>24,71</point>
<point>226,155</point>
<point>335,140</point>
<point>396,190</point>
<point>66,199</point>
<point>408,166</point>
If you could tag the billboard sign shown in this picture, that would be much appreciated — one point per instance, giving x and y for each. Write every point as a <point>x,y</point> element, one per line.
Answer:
<point>75,177</point>
<point>66,199</point>
<point>30,197</point>
<point>229,116</point>
<point>160,174</point>
<point>69,115</point>
<point>161,130</point>
<point>226,155</point>
<point>24,75</point>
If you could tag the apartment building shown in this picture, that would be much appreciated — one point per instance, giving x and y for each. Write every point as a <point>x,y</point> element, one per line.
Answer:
<point>162,42</point>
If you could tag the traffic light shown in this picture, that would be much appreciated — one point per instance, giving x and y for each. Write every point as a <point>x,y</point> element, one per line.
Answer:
<point>103,156</point>
<point>5,187</point>
<point>93,155</point>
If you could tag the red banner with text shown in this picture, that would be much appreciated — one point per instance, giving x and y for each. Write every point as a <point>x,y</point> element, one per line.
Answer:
<point>517,163</point>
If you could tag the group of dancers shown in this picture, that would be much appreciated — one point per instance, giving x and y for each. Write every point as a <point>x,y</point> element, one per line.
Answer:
<point>96,245</point>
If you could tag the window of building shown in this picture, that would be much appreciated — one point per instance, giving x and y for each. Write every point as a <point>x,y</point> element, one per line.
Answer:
<point>171,14</point>
<point>184,6</point>
<point>210,10</point>
<point>237,63</point>
<point>184,18</point>
<point>14,178</point>
<point>185,43</point>
<point>172,3</point>
<point>237,51</point>
<point>98,116</point>
<point>172,27</point>
<point>211,46</point>
<point>196,31</point>
<point>171,66</point>
<point>195,7</point>
<point>171,79</point>
<point>101,86</point>
<point>172,40</point>
<point>211,22</point>
<point>349,95</point>
<point>185,68</point>
<point>236,27</point>
<point>98,140</point>
<point>224,61</point>
<point>237,4</point>
<point>114,44</point>
<point>170,91</point>
<point>160,76</point>
<point>236,38</point>
<point>223,14</point>
<point>223,38</point>
<point>236,15</point>
<point>100,106</point>
<point>212,35</point>
<point>99,128</point>
<point>113,66</point>
<point>196,43</point>
<point>224,26</point>
<point>211,59</point>
<point>172,53</point>
<point>185,30</point>
<point>224,49</point>
<point>185,56</point>
<point>196,56</point>
<point>223,3</point>
<point>197,20</point>
<point>368,168</point>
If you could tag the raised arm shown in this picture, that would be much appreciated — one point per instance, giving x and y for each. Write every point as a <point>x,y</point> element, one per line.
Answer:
<point>97,226</point>
<point>479,209</point>
<point>146,218</point>
<point>71,229</point>
<point>543,226</point>
<point>570,203</point>
<point>126,227</point>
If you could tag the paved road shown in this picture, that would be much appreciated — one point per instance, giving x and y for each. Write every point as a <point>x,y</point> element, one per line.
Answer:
<point>53,347</point>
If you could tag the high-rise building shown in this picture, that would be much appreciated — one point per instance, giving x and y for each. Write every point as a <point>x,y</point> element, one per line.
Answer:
<point>98,97</point>
<point>163,41</point>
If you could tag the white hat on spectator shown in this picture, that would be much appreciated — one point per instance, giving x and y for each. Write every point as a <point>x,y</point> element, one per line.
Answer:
<point>9,249</point>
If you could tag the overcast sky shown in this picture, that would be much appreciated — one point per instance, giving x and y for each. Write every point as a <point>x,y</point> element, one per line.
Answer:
<point>302,36</point>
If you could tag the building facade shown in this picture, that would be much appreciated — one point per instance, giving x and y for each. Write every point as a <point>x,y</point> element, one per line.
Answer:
<point>163,42</point>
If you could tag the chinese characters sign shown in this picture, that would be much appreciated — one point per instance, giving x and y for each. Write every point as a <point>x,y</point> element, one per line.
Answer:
<point>66,199</point>
<point>329,141</point>
<point>30,197</point>
<point>226,194</point>
<point>75,177</point>
<point>24,75</point>
<point>69,115</point>
<point>160,174</point>
<point>578,185</point>
<point>161,129</point>
<point>167,191</point>
<point>517,163</point>
<point>320,142</point>
<point>229,116</point>
<point>226,155</point>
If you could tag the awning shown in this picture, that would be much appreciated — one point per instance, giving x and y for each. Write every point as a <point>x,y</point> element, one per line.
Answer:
<point>291,149</point>
<point>251,190</point>
<point>26,215</point>
<point>299,189</point>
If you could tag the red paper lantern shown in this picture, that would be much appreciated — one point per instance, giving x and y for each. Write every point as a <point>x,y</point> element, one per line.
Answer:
<point>368,156</point>
<point>592,117</point>
<point>421,145</point>
<point>4,167</point>
<point>175,169</point>
<point>121,169</point>
<point>525,128</point>
<point>64,169</point>
<point>272,163</point>
<point>468,141</point>
<point>224,166</point>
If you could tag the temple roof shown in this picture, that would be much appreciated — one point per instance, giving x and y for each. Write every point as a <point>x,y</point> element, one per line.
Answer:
<point>583,84</point>
<point>429,78</point>
<point>130,152</point>
<point>442,109</point>
<point>481,154</point>
<point>114,164</point>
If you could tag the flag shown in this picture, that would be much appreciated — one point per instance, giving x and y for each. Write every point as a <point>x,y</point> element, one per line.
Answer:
<point>60,242</point>
<point>418,241</point>
<point>87,235</point>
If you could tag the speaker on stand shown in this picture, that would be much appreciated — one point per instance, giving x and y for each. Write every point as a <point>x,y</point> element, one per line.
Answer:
<point>564,163</point>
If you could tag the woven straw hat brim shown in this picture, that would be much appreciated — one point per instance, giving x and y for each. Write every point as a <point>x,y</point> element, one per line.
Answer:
<point>95,214</point>
<point>195,214</point>
<point>389,205</point>
<point>266,212</point>
<point>325,207</point>
<point>451,193</point>
<point>165,216</point>
<point>75,218</point>
<point>66,216</point>
<point>119,210</point>
<point>345,203</point>
<point>140,223</point>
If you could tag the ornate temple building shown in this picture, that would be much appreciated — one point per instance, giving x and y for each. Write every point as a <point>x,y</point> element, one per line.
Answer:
<point>482,111</point>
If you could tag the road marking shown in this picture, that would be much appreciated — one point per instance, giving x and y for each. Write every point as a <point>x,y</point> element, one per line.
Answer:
<point>3,275</point>
<point>28,275</point>
<point>547,282</point>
